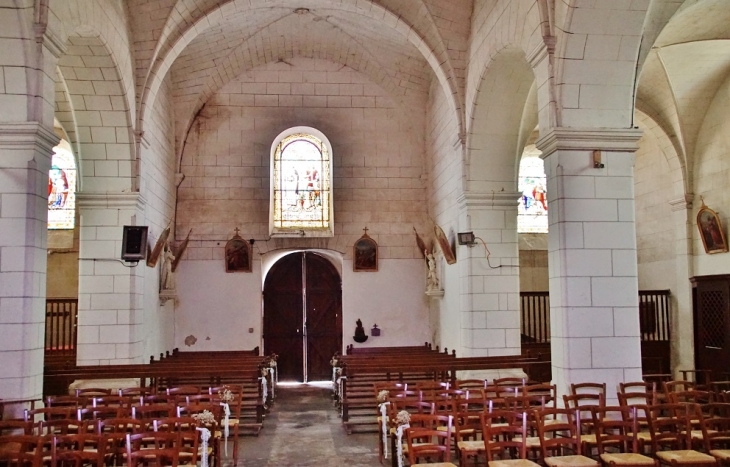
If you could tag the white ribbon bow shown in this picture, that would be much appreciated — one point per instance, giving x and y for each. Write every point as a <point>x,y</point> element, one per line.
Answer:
<point>384,424</point>
<point>226,418</point>
<point>399,440</point>
<point>339,386</point>
<point>204,436</point>
<point>273,383</point>
<point>264,388</point>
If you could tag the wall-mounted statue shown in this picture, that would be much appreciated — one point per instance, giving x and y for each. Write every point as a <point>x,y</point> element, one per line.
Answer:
<point>432,280</point>
<point>167,276</point>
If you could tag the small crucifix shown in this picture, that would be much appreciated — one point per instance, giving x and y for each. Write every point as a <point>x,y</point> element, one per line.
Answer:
<point>237,230</point>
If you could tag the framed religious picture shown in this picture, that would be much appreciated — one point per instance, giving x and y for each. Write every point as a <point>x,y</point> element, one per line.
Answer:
<point>713,237</point>
<point>445,245</point>
<point>238,254</point>
<point>365,258</point>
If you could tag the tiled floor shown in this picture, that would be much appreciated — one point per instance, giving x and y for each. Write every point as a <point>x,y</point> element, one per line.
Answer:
<point>303,429</point>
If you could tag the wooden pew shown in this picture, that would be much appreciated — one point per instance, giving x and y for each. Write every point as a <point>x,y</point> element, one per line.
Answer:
<point>204,370</point>
<point>234,359</point>
<point>356,395</point>
<point>352,350</point>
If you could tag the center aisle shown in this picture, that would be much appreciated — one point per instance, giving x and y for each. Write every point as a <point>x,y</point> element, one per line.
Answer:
<point>303,429</point>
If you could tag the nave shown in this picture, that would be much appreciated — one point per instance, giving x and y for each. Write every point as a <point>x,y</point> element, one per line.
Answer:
<point>303,429</point>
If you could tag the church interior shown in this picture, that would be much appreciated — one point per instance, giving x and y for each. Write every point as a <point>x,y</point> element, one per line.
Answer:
<point>303,190</point>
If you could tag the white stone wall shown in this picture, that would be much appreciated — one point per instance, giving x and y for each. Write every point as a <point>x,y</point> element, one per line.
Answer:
<point>711,179</point>
<point>378,157</point>
<point>444,175</point>
<point>379,183</point>
<point>655,235</point>
<point>157,183</point>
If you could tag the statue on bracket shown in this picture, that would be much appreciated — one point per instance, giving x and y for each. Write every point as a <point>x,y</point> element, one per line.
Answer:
<point>432,280</point>
<point>167,276</point>
<point>365,254</point>
<point>238,254</point>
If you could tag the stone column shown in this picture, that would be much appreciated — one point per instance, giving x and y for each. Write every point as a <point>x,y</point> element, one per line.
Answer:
<point>110,292</point>
<point>594,316</point>
<point>682,325</point>
<point>25,159</point>
<point>490,295</point>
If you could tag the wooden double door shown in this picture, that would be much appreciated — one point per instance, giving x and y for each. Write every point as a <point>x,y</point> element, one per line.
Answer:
<point>712,324</point>
<point>303,316</point>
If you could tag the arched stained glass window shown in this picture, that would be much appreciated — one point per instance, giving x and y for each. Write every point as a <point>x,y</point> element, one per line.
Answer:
<point>532,213</point>
<point>62,188</point>
<point>301,185</point>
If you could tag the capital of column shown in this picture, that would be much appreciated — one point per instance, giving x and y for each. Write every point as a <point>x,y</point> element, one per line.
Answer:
<point>682,203</point>
<point>28,135</point>
<point>589,139</point>
<point>543,50</point>
<point>502,199</point>
<point>110,201</point>
<point>52,42</point>
<point>140,139</point>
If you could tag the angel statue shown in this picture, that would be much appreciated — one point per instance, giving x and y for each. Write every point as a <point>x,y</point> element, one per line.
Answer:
<point>432,280</point>
<point>167,279</point>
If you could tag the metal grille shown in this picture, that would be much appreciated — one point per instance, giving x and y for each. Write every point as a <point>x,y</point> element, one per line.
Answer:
<point>713,318</point>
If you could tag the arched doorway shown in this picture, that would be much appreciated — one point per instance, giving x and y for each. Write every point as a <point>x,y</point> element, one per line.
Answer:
<point>303,316</point>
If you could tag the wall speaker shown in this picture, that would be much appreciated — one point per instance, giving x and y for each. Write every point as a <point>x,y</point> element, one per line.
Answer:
<point>134,243</point>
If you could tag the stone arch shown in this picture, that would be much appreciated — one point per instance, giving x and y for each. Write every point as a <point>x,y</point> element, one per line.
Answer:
<point>519,26</point>
<point>681,185</point>
<point>595,64</point>
<point>64,115</point>
<point>164,60</point>
<point>107,20</point>
<point>496,122</point>
<point>99,107</point>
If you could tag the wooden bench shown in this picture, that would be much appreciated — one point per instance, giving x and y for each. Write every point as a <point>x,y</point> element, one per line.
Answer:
<point>356,398</point>
<point>352,350</point>
<point>203,370</point>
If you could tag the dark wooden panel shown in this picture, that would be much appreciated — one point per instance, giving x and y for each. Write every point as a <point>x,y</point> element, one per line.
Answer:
<point>283,316</point>
<point>324,316</point>
<point>712,326</point>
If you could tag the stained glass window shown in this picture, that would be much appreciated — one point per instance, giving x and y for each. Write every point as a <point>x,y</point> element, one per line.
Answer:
<point>532,214</point>
<point>62,188</point>
<point>301,184</point>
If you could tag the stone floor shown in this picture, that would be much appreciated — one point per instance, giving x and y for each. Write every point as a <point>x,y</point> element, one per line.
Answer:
<point>303,429</point>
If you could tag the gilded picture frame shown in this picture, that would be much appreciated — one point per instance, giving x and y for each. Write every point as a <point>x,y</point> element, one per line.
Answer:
<point>711,233</point>
<point>445,245</point>
<point>365,255</point>
<point>238,255</point>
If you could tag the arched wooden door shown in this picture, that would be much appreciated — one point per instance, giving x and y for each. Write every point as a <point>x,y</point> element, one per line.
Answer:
<point>303,316</point>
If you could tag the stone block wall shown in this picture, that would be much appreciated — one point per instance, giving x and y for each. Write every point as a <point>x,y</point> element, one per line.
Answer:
<point>378,159</point>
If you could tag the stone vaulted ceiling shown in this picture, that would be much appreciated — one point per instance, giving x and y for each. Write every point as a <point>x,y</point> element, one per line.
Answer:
<point>685,66</point>
<point>203,44</point>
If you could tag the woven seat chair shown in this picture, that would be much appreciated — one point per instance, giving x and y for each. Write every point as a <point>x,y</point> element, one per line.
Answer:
<point>616,428</point>
<point>559,434</point>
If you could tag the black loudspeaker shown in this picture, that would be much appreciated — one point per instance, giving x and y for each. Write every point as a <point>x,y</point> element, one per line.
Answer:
<point>134,243</point>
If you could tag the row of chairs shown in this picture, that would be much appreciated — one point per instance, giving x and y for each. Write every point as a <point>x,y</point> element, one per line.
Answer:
<point>553,437</point>
<point>161,448</point>
<point>490,397</point>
